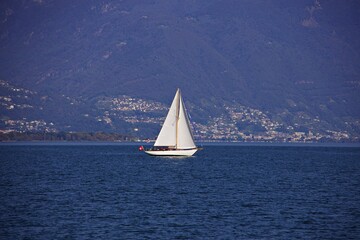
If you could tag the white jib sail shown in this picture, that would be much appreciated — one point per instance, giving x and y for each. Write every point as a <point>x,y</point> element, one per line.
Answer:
<point>185,137</point>
<point>176,131</point>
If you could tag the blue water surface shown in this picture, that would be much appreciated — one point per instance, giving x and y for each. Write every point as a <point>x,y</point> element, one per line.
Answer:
<point>223,192</point>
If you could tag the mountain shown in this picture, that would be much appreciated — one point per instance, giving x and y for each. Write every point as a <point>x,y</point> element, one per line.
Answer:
<point>298,63</point>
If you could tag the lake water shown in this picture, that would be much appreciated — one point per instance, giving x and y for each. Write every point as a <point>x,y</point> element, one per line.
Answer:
<point>223,192</point>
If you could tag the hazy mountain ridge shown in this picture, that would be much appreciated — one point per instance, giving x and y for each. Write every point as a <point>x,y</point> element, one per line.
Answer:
<point>294,60</point>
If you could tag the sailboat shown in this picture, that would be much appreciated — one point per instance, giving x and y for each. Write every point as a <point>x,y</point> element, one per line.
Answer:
<point>175,137</point>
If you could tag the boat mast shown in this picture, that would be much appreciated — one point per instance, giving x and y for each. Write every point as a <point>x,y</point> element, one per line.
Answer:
<point>177,118</point>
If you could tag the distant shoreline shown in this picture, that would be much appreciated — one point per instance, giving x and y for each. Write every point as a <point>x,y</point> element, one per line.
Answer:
<point>64,137</point>
<point>116,138</point>
<point>135,143</point>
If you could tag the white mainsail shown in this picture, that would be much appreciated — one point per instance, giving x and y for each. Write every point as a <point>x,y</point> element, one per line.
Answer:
<point>167,135</point>
<point>176,131</point>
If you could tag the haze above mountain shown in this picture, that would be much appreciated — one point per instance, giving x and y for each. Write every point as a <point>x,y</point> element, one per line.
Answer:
<point>287,58</point>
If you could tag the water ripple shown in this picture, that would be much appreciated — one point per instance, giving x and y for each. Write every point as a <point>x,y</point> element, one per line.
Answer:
<point>226,192</point>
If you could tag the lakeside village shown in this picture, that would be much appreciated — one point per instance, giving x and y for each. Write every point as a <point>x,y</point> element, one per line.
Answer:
<point>237,123</point>
<point>259,127</point>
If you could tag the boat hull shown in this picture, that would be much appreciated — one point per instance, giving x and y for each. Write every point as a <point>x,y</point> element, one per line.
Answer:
<point>178,152</point>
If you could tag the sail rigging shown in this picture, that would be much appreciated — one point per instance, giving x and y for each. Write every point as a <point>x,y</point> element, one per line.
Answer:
<point>176,131</point>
